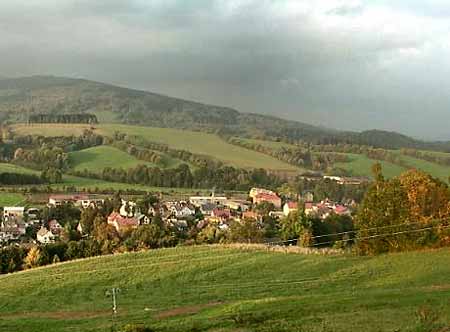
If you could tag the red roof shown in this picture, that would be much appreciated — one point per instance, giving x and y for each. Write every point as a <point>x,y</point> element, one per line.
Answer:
<point>221,213</point>
<point>267,197</point>
<point>340,209</point>
<point>122,221</point>
<point>292,205</point>
<point>308,205</point>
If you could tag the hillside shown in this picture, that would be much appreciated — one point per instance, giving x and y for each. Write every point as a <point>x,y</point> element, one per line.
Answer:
<point>228,289</point>
<point>20,97</point>
<point>97,158</point>
<point>194,141</point>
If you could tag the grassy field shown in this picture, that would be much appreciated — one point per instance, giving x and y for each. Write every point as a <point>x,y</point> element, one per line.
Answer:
<point>360,165</point>
<point>11,199</point>
<point>229,289</point>
<point>196,142</point>
<point>97,158</point>
<point>440,171</point>
<point>11,168</point>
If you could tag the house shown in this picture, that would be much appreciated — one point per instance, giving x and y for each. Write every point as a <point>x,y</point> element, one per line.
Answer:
<point>12,213</point>
<point>221,214</point>
<point>256,191</point>
<point>251,215</point>
<point>45,236</point>
<point>237,205</point>
<point>201,200</point>
<point>55,227</point>
<point>341,210</point>
<point>122,223</point>
<point>276,214</point>
<point>270,198</point>
<point>289,207</point>
<point>79,200</point>
<point>128,209</point>
<point>182,210</point>
<point>32,213</point>
<point>207,208</point>
<point>307,196</point>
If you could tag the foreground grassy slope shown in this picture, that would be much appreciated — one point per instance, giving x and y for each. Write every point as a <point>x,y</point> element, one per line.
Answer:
<point>196,142</point>
<point>229,289</point>
<point>97,158</point>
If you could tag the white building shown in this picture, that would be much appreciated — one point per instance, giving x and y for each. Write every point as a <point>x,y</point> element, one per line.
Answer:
<point>13,213</point>
<point>45,236</point>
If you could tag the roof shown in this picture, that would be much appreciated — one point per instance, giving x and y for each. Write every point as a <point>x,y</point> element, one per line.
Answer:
<point>267,196</point>
<point>340,209</point>
<point>292,205</point>
<point>122,221</point>
<point>221,213</point>
<point>43,231</point>
<point>14,208</point>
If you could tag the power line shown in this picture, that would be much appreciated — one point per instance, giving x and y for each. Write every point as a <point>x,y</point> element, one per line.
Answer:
<point>347,232</point>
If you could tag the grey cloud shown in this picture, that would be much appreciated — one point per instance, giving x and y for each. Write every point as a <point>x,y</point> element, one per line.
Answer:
<point>352,65</point>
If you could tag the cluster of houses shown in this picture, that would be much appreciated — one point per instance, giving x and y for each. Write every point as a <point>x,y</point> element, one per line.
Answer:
<point>219,210</point>
<point>15,221</point>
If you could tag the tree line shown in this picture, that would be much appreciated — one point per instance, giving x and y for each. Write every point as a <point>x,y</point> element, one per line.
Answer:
<point>222,177</point>
<point>63,118</point>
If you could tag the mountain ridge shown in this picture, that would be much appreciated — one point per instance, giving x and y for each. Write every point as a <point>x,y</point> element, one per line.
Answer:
<point>22,96</point>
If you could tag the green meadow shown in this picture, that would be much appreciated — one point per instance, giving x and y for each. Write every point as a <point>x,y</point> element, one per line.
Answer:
<point>219,288</point>
<point>97,158</point>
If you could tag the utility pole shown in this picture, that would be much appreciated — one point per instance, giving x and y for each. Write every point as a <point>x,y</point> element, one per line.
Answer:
<point>113,294</point>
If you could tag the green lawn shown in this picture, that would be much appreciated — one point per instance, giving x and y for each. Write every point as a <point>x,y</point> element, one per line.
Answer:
<point>11,199</point>
<point>229,289</point>
<point>99,157</point>
<point>360,165</point>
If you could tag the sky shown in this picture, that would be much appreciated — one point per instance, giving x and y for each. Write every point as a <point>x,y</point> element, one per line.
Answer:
<point>345,64</point>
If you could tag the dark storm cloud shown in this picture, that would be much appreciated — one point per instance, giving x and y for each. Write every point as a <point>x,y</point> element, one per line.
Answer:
<point>342,63</point>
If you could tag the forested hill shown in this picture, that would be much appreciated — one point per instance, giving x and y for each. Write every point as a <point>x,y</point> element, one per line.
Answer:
<point>23,97</point>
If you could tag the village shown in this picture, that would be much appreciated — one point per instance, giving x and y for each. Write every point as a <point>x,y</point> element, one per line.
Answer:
<point>218,210</point>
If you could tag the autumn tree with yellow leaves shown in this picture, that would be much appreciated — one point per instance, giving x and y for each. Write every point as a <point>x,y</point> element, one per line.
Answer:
<point>407,212</point>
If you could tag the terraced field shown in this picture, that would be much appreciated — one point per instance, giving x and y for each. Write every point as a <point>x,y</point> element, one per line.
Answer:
<point>230,289</point>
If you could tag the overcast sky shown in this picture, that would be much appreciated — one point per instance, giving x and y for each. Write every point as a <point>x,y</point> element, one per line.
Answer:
<point>345,64</point>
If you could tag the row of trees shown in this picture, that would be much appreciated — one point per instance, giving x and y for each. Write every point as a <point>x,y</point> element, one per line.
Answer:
<point>302,155</point>
<point>63,118</point>
<point>224,177</point>
<point>437,158</point>
<point>143,149</point>
<point>8,178</point>
<point>68,143</point>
